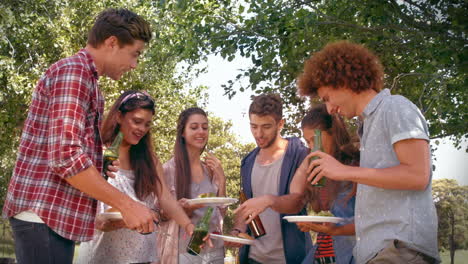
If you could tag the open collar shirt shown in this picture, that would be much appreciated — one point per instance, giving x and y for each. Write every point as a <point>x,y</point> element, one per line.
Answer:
<point>296,244</point>
<point>384,215</point>
<point>60,139</point>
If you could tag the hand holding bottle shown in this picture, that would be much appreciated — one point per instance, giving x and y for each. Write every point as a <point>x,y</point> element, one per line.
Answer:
<point>200,233</point>
<point>328,166</point>
<point>112,168</point>
<point>251,208</point>
<point>189,228</point>
<point>255,223</point>
<point>111,156</point>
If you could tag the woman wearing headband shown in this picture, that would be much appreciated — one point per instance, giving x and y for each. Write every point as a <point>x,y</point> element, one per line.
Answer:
<point>140,176</point>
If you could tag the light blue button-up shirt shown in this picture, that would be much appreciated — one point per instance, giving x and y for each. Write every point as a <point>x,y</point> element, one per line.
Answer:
<point>383,215</point>
<point>343,245</point>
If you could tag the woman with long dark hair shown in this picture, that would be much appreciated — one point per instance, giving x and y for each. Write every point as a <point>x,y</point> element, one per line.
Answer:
<point>188,177</point>
<point>140,176</point>
<point>338,197</point>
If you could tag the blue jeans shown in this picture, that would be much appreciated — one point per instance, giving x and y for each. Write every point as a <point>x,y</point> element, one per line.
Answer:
<point>37,243</point>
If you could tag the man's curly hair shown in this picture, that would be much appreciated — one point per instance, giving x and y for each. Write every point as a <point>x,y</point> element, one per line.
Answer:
<point>267,104</point>
<point>341,64</point>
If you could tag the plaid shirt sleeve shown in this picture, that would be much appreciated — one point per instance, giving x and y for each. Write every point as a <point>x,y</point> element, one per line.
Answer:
<point>69,104</point>
<point>60,138</point>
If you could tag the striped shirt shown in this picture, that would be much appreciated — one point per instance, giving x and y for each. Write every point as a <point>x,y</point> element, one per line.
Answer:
<point>60,139</point>
<point>324,241</point>
<point>325,246</point>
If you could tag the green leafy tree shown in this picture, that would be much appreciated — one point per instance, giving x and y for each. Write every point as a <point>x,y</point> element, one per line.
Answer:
<point>36,33</point>
<point>451,201</point>
<point>422,44</point>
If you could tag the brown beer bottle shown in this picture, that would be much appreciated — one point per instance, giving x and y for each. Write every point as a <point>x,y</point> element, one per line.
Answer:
<point>255,225</point>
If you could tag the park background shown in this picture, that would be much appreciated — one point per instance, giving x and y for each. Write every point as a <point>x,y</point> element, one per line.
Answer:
<point>217,54</point>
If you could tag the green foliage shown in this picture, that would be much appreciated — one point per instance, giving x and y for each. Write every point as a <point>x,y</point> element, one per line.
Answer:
<point>422,45</point>
<point>36,33</point>
<point>451,201</point>
<point>6,239</point>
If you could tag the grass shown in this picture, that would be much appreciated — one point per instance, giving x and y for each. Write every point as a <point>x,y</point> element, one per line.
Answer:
<point>7,249</point>
<point>461,257</point>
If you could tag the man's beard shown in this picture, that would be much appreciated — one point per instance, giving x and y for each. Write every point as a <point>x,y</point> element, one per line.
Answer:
<point>270,142</point>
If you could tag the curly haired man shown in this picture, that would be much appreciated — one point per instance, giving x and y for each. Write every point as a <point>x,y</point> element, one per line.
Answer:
<point>395,219</point>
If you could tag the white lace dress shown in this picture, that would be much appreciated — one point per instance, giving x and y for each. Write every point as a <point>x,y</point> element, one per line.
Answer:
<point>122,245</point>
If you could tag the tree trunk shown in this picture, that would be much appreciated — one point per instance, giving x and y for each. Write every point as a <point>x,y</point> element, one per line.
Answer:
<point>452,239</point>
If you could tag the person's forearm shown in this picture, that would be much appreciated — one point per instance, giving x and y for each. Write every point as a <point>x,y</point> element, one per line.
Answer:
<point>287,204</point>
<point>346,230</point>
<point>93,184</point>
<point>107,225</point>
<point>222,189</point>
<point>173,210</point>
<point>222,193</point>
<point>297,189</point>
<point>412,172</point>
<point>400,177</point>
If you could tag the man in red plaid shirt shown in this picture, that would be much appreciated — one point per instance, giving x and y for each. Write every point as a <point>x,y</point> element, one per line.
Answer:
<point>51,200</point>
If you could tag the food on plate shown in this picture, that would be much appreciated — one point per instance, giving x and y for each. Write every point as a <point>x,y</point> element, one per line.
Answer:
<point>206,195</point>
<point>324,213</point>
<point>246,236</point>
<point>110,210</point>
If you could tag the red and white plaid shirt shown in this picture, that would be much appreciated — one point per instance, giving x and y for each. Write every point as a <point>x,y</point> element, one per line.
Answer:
<point>60,139</point>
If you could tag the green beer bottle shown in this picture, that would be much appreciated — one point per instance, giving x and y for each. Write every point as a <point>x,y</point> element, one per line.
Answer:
<point>111,153</point>
<point>318,146</point>
<point>201,230</point>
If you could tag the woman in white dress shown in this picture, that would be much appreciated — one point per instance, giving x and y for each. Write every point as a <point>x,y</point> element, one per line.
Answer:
<point>140,175</point>
<point>187,177</point>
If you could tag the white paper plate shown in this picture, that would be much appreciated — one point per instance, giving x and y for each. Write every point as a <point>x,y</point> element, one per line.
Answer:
<point>111,215</point>
<point>213,201</point>
<point>233,239</point>
<point>313,218</point>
